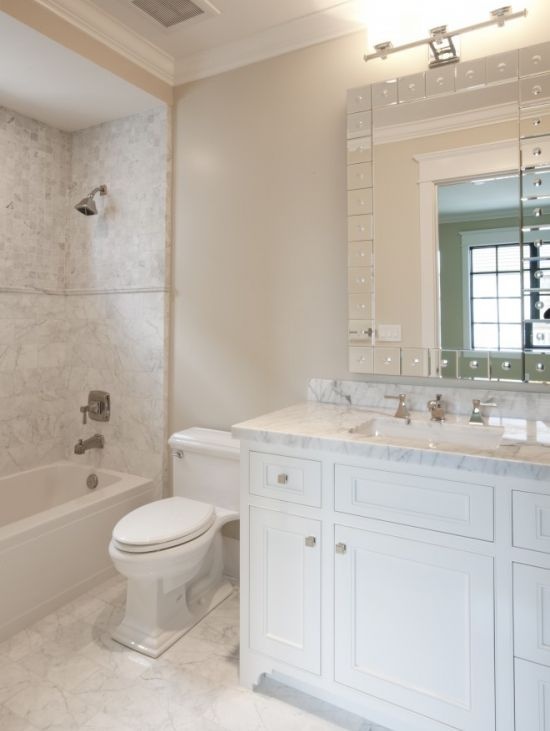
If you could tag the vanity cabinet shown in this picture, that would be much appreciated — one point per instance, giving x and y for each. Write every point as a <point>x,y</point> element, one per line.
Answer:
<point>372,585</point>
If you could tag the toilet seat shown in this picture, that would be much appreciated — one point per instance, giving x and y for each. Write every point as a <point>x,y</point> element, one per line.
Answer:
<point>163,524</point>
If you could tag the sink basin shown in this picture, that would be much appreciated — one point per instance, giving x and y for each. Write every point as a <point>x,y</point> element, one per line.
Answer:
<point>429,433</point>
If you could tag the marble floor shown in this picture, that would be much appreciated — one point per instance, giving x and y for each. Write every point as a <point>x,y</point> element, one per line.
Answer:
<point>64,673</point>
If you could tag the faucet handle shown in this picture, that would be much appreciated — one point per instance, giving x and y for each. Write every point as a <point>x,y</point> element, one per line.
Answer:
<point>402,397</point>
<point>476,416</point>
<point>84,411</point>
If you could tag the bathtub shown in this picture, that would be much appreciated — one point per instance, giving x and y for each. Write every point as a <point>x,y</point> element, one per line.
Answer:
<point>54,535</point>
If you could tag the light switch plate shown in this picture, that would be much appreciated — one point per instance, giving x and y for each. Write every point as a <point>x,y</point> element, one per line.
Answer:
<point>389,333</point>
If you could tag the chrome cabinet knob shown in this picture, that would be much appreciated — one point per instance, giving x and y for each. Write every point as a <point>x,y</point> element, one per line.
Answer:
<point>311,541</point>
<point>282,479</point>
<point>341,548</point>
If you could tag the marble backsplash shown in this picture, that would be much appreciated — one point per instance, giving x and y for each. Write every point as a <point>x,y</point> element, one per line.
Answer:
<point>84,301</point>
<point>518,404</point>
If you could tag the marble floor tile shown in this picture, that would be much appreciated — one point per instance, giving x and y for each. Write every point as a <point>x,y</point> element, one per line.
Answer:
<point>65,673</point>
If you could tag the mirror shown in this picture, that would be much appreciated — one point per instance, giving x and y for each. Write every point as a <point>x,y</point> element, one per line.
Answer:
<point>461,263</point>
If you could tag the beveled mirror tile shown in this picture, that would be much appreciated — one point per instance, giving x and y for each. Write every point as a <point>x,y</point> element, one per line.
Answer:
<point>360,306</point>
<point>535,152</point>
<point>359,150</point>
<point>535,90</point>
<point>502,66</point>
<point>360,280</point>
<point>448,364</point>
<point>534,121</point>
<point>440,81</point>
<point>360,227</point>
<point>415,362</point>
<point>359,125</point>
<point>360,176</point>
<point>470,74</point>
<point>473,364</point>
<point>537,367</point>
<point>359,99</point>
<point>359,201</point>
<point>387,361</point>
<point>506,366</point>
<point>384,93</point>
<point>411,88</point>
<point>534,59</point>
<point>360,254</point>
<point>360,359</point>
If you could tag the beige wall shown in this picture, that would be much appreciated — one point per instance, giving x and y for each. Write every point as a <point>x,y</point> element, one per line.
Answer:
<point>260,223</point>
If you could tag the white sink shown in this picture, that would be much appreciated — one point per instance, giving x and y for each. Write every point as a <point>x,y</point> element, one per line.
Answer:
<point>432,434</point>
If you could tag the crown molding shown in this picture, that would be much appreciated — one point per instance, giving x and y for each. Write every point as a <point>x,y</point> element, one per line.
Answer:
<point>338,20</point>
<point>445,123</point>
<point>98,24</point>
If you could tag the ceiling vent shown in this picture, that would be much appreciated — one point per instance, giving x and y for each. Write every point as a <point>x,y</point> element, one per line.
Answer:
<point>169,12</point>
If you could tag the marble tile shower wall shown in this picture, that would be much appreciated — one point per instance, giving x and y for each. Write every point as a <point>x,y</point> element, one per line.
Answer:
<point>83,302</point>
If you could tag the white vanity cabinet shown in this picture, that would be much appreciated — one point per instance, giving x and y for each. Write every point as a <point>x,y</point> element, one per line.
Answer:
<point>372,585</point>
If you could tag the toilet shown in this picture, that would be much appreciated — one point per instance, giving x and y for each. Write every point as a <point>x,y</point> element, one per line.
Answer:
<point>171,550</point>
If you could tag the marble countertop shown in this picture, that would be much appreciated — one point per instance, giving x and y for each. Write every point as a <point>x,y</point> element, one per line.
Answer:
<point>523,453</point>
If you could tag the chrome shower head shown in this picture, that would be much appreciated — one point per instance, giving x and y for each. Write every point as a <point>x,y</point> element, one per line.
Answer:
<point>87,205</point>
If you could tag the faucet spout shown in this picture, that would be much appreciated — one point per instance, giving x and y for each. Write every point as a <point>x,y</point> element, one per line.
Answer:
<point>95,442</point>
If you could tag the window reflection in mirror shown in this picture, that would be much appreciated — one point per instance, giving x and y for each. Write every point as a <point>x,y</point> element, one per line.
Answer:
<point>480,267</point>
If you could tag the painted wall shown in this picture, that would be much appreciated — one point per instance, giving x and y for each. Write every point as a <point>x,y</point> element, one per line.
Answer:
<point>82,300</point>
<point>260,223</point>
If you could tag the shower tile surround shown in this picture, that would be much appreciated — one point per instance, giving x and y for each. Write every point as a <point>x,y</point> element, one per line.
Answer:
<point>83,301</point>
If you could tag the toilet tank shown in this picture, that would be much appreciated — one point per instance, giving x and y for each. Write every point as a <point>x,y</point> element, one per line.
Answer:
<point>205,466</point>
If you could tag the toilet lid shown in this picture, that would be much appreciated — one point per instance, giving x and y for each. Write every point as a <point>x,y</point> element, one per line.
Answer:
<point>162,524</point>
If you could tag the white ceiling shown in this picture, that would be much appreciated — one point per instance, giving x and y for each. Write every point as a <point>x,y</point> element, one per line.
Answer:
<point>44,80</point>
<point>242,32</point>
<point>472,200</point>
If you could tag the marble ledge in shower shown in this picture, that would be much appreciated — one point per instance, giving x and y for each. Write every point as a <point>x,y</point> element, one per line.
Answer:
<point>366,394</point>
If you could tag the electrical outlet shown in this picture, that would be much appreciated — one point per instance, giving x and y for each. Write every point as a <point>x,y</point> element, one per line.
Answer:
<point>389,333</point>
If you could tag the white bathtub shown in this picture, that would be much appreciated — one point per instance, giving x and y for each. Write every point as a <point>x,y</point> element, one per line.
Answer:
<point>54,535</point>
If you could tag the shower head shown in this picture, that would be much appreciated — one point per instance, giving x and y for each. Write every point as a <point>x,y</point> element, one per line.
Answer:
<point>87,205</point>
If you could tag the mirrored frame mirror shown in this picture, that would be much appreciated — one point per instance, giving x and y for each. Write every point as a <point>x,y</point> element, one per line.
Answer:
<point>448,186</point>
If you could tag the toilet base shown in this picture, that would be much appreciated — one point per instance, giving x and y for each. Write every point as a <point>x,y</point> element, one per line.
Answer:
<point>152,641</point>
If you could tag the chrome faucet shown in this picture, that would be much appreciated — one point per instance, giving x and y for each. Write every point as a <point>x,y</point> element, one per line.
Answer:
<point>402,407</point>
<point>476,417</point>
<point>436,408</point>
<point>95,442</point>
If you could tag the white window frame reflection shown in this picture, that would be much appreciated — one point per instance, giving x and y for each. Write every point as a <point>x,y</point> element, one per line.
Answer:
<point>483,238</point>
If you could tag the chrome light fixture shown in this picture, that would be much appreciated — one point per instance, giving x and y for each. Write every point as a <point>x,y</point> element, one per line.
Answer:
<point>442,43</point>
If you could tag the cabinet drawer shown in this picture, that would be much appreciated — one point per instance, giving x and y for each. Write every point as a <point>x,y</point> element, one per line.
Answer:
<point>286,478</point>
<point>532,613</point>
<point>464,509</point>
<point>531,520</point>
<point>532,697</point>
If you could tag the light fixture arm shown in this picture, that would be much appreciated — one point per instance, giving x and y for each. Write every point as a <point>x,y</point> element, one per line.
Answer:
<point>499,17</point>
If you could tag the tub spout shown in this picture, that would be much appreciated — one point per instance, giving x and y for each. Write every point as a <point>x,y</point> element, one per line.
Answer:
<point>95,442</point>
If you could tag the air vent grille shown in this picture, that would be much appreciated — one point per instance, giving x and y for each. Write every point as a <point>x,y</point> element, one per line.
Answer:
<point>169,12</point>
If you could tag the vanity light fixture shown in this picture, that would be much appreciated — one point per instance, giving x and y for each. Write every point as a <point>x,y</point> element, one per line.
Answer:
<point>442,43</point>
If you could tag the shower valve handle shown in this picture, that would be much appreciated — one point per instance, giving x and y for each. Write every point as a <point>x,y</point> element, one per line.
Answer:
<point>84,411</point>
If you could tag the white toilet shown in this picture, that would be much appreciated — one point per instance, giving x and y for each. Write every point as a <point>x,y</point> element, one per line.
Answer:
<point>171,550</point>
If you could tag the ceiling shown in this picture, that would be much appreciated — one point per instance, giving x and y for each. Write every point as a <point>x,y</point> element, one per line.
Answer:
<point>46,81</point>
<point>478,199</point>
<point>235,33</point>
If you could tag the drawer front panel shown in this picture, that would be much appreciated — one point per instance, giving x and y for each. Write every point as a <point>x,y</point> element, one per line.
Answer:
<point>531,521</point>
<point>286,478</point>
<point>459,508</point>
<point>532,613</point>
<point>532,697</point>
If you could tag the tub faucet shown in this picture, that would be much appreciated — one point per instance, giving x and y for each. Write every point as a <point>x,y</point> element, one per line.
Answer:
<point>95,442</point>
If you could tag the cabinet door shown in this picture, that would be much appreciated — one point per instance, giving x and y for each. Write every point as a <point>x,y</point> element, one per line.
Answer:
<point>532,697</point>
<point>414,626</point>
<point>285,588</point>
